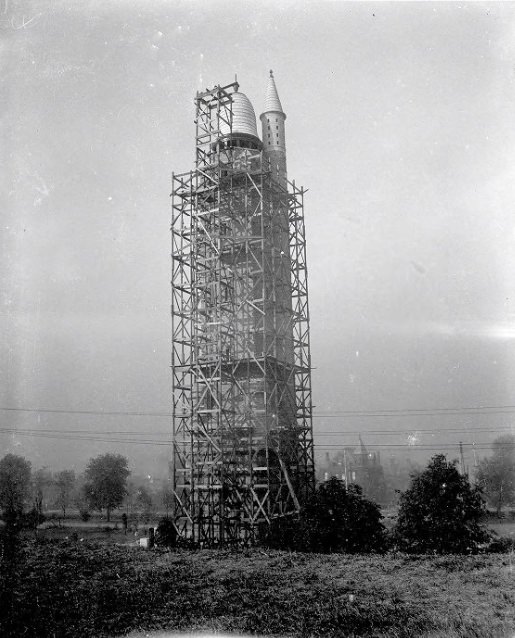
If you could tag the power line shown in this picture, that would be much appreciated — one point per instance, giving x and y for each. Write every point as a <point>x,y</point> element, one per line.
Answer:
<point>69,437</point>
<point>383,432</point>
<point>88,412</point>
<point>80,432</point>
<point>506,428</point>
<point>415,411</point>
<point>403,412</point>
<point>413,446</point>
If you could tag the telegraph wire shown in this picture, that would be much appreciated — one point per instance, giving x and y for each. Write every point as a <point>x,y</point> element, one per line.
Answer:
<point>68,437</point>
<point>492,409</point>
<point>469,430</point>
<point>88,412</point>
<point>505,428</point>
<point>413,446</point>
<point>403,414</point>
<point>406,412</point>
<point>317,432</point>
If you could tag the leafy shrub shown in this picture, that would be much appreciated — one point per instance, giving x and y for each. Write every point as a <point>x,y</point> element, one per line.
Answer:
<point>340,519</point>
<point>283,533</point>
<point>441,512</point>
<point>32,519</point>
<point>501,545</point>
<point>335,519</point>
<point>166,534</point>
<point>84,515</point>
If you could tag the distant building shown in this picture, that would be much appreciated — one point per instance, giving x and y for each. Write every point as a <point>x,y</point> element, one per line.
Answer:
<point>361,467</point>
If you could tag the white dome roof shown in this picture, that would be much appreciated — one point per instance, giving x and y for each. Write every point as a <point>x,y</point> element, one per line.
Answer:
<point>243,116</point>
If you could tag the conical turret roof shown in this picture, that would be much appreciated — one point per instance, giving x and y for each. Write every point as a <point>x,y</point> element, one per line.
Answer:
<point>272,101</point>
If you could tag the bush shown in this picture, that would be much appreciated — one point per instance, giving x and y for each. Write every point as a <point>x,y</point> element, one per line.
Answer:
<point>166,534</point>
<point>84,515</point>
<point>501,545</point>
<point>340,519</point>
<point>283,533</point>
<point>441,512</point>
<point>32,519</point>
<point>335,519</point>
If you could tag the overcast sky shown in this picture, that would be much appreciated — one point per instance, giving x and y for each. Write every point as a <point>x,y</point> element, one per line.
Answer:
<point>400,122</point>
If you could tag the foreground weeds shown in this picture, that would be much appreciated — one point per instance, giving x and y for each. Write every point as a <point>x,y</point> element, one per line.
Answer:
<point>74,589</point>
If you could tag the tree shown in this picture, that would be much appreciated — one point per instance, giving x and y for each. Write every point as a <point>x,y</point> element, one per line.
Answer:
<point>144,499</point>
<point>335,519</point>
<point>79,500</point>
<point>14,485</point>
<point>496,475</point>
<point>41,482</point>
<point>376,486</point>
<point>167,496</point>
<point>144,502</point>
<point>130,498</point>
<point>106,485</point>
<point>65,484</point>
<point>440,512</point>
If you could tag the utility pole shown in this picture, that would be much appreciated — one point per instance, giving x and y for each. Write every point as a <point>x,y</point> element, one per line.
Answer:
<point>462,460</point>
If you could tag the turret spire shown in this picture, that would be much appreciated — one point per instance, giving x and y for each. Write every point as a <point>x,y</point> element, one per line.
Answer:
<point>273,132</point>
<point>272,101</point>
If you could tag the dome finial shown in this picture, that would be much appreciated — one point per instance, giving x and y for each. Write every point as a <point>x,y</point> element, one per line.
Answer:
<point>271,73</point>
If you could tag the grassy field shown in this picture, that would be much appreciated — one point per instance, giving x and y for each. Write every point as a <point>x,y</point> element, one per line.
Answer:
<point>503,528</point>
<point>64,588</point>
<point>95,529</point>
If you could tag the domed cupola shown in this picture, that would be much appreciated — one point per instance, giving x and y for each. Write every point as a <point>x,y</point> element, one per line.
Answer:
<point>244,129</point>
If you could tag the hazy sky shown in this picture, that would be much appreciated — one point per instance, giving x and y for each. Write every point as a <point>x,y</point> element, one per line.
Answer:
<point>401,122</point>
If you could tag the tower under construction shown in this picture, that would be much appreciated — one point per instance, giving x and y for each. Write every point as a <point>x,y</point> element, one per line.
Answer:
<point>242,407</point>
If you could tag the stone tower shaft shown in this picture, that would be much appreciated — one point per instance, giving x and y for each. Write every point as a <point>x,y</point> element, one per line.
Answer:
<point>242,412</point>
